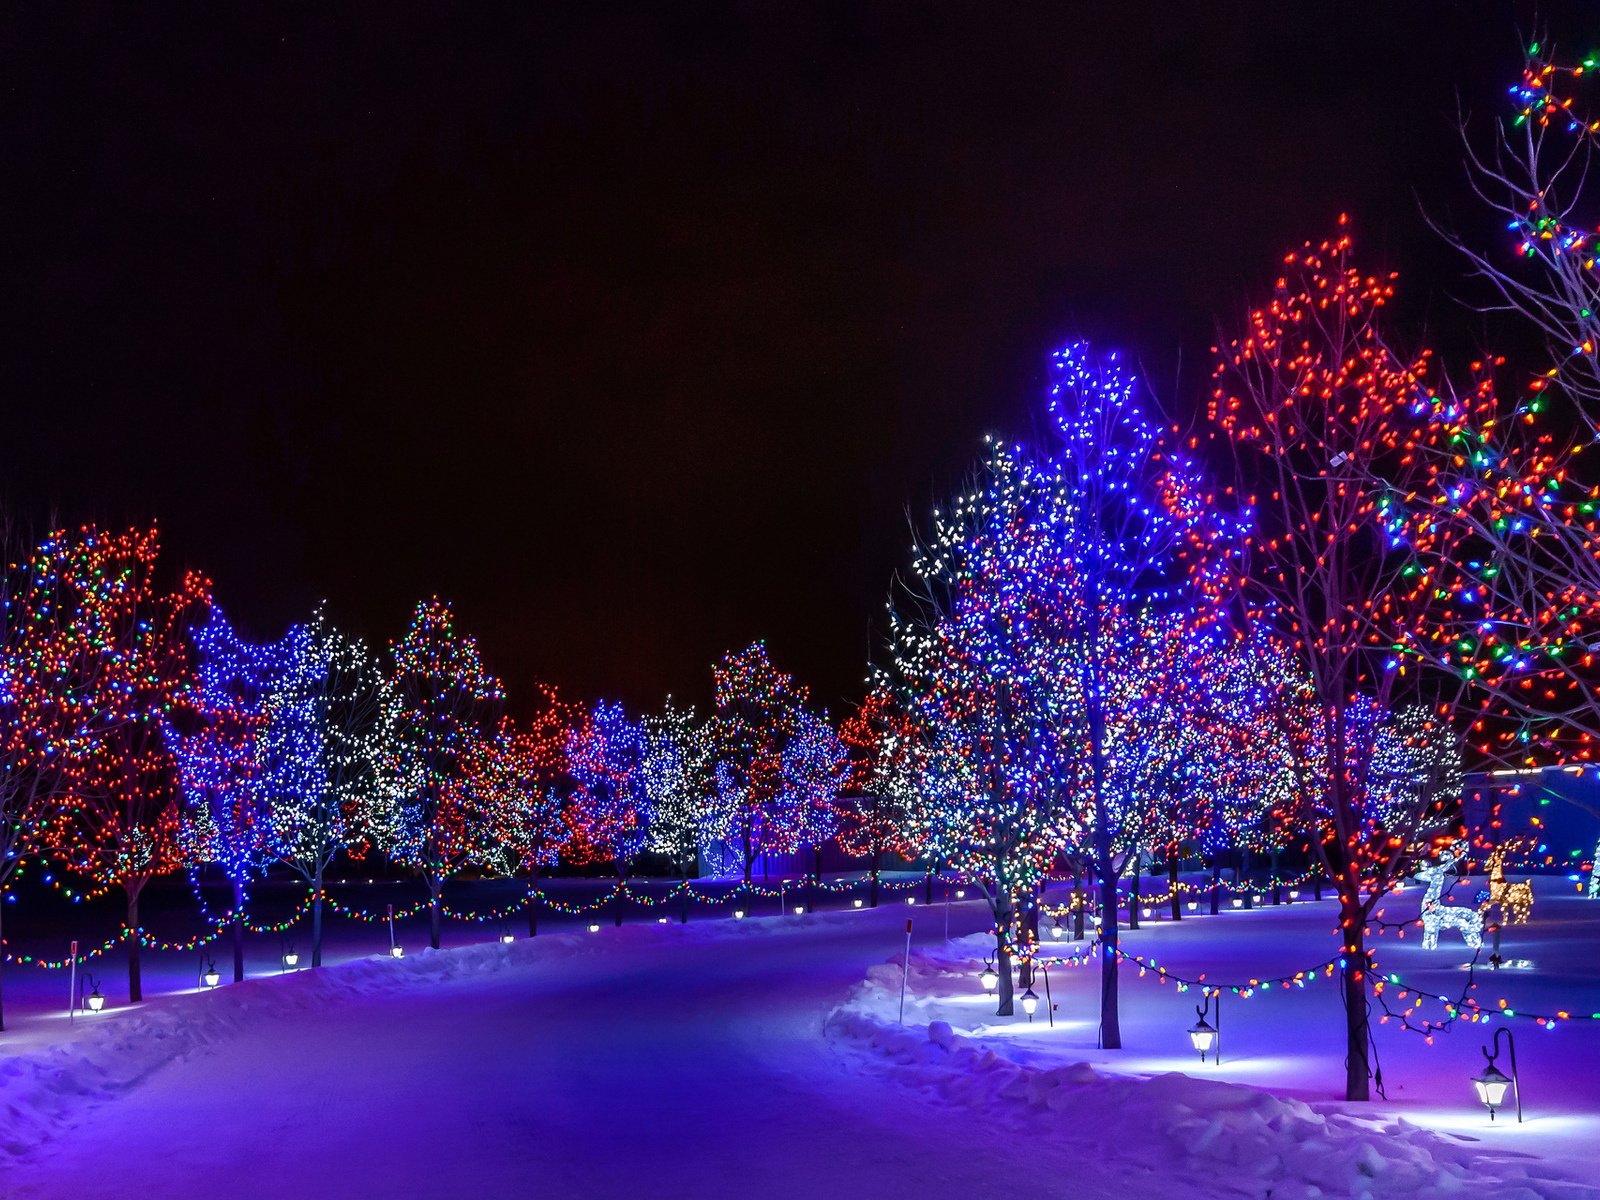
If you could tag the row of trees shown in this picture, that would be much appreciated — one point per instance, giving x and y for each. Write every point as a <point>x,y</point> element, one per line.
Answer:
<point>142,734</point>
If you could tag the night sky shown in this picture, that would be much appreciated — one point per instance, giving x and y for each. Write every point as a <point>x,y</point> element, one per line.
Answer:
<point>636,330</point>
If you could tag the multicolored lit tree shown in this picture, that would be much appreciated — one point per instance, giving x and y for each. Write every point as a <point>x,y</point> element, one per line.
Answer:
<point>611,806</point>
<point>879,804</point>
<point>447,706</point>
<point>111,659</point>
<point>1533,175</point>
<point>978,663</point>
<point>329,739</point>
<point>812,769</point>
<point>1521,605</point>
<point>1316,407</point>
<point>227,784</point>
<point>522,810</point>
<point>38,741</point>
<point>759,715</point>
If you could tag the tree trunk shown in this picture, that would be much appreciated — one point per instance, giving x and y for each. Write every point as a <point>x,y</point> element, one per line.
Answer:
<point>1133,894</point>
<point>872,890</point>
<point>745,837</point>
<point>131,937</point>
<point>1002,925</point>
<point>1029,939</point>
<point>622,880</point>
<point>1357,1085</point>
<point>1172,884</point>
<point>1277,880</point>
<point>532,904</point>
<point>435,914</point>
<point>1110,1024</point>
<point>1242,875</point>
<point>1078,901</point>
<point>815,878</point>
<point>1316,883</point>
<point>927,887</point>
<point>238,930</point>
<point>1216,882</point>
<point>316,920</point>
<point>683,898</point>
<point>2,963</point>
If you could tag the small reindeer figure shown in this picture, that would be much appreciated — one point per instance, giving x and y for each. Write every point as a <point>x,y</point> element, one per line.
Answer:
<point>1514,899</point>
<point>1437,916</point>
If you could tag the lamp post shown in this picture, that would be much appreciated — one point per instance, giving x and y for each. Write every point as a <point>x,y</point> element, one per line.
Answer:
<point>1491,1085</point>
<point>1204,1036</point>
<point>988,977</point>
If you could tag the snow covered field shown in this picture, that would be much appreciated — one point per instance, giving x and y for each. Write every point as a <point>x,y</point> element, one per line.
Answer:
<point>724,1057</point>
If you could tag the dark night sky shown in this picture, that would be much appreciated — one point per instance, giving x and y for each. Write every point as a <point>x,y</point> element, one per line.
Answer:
<point>635,329</point>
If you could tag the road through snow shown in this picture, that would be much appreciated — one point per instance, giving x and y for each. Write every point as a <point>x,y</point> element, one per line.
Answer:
<point>668,1061</point>
<point>763,1056</point>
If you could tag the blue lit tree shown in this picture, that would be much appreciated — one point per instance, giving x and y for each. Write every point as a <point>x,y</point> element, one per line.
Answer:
<point>606,758</point>
<point>1053,640</point>
<point>1154,563</point>
<point>226,783</point>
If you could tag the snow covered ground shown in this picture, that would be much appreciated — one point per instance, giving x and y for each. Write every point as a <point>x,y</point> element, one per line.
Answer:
<point>764,1054</point>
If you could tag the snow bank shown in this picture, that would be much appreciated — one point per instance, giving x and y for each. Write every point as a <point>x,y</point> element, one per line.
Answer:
<point>106,1055</point>
<point>1177,1126</point>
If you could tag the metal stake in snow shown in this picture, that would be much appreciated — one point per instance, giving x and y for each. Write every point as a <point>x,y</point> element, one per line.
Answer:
<point>391,931</point>
<point>905,971</point>
<point>72,986</point>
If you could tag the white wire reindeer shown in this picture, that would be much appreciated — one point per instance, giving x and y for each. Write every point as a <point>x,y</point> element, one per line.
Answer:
<point>1436,916</point>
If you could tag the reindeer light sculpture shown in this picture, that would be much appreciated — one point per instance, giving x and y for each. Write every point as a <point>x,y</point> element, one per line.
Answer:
<point>1437,916</point>
<point>1515,900</point>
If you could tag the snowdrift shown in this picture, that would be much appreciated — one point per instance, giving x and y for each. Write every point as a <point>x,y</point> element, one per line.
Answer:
<point>1173,1125</point>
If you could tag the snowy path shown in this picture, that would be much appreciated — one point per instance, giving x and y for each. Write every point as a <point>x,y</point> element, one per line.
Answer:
<point>670,1061</point>
<point>571,1070</point>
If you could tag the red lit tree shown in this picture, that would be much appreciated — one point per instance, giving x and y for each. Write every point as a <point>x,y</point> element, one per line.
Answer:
<point>522,819</point>
<point>1317,408</point>
<point>113,659</point>
<point>878,800</point>
<point>38,739</point>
